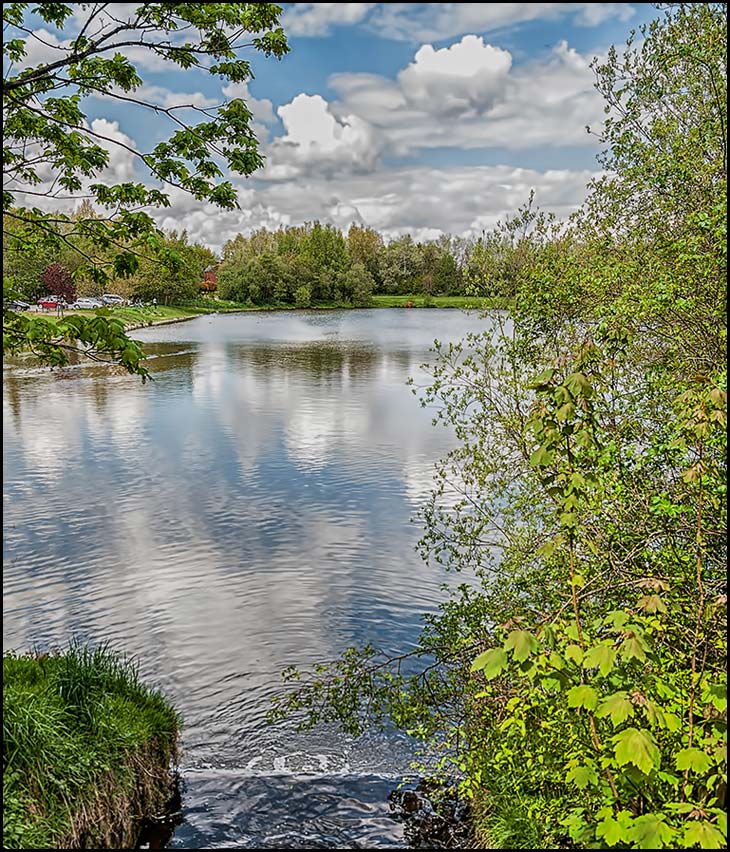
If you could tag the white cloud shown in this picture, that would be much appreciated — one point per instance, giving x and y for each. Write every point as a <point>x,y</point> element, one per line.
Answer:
<point>316,140</point>
<point>425,202</point>
<point>166,98</point>
<point>317,19</point>
<point>41,47</point>
<point>262,109</point>
<point>545,102</point>
<point>121,166</point>
<point>428,22</point>
<point>467,75</point>
<point>595,14</point>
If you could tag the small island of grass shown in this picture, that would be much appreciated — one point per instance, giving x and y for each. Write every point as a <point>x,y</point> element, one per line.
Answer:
<point>88,750</point>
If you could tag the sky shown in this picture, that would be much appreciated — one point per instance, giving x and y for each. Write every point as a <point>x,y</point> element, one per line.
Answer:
<point>420,118</point>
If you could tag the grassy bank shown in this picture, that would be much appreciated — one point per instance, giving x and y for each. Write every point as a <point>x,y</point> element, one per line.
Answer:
<point>135,317</point>
<point>87,750</point>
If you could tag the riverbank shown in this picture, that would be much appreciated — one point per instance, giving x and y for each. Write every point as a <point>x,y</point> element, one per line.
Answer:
<point>141,317</point>
<point>87,750</point>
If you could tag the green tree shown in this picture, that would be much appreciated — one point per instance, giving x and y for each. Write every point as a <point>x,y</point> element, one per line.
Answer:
<point>400,265</point>
<point>357,286</point>
<point>326,249</point>
<point>46,132</point>
<point>176,285</point>
<point>364,246</point>
<point>577,686</point>
<point>303,297</point>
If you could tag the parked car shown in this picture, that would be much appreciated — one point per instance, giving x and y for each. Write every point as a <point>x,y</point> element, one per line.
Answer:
<point>86,302</point>
<point>17,305</point>
<point>113,299</point>
<point>51,302</point>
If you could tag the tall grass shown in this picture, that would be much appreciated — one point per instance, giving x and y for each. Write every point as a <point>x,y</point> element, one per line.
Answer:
<point>87,747</point>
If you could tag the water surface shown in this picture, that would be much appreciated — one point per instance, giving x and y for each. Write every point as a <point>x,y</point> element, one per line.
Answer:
<point>248,510</point>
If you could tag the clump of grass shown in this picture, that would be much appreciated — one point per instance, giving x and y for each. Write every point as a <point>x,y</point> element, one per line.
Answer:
<point>88,750</point>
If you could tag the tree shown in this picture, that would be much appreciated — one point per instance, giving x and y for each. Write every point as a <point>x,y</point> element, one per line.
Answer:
<point>357,286</point>
<point>46,133</point>
<point>400,265</point>
<point>171,286</point>
<point>578,686</point>
<point>57,280</point>
<point>364,246</point>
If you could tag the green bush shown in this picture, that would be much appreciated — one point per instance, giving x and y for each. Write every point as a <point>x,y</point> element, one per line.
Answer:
<point>303,297</point>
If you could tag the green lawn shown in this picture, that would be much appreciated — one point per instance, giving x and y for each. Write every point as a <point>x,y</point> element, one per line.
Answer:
<point>421,301</point>
<point>135,317</point>
<point>87,750</point>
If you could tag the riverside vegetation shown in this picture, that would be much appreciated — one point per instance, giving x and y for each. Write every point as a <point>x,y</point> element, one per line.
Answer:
<point>88,750</point>
<point>578,691</point>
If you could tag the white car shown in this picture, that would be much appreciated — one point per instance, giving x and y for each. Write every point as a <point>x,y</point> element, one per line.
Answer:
<point>113,299</point>
<point>87,303</point>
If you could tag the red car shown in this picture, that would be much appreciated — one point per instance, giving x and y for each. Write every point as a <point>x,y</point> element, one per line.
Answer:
<point>51,302</point>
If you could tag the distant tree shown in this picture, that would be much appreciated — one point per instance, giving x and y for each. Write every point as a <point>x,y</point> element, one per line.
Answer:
<point>303,297</point>
<point>357,286</point>
<point>364,246</point>
<point>56,279</point>
<point>400,265</point>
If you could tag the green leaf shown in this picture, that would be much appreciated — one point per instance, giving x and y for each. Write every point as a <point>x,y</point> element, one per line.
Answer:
<point>651,832</point>
<point>616,619</point>
<point>582,776</point>
<point>693,759</point>
<point>579,385</point>
<point>583,696</point>
<point>703,834</point>
<point>490,662</point>
<point>612,831</point>
<point>574,653</point>
<point>541,457</point>
<point>637,747</point>
<point>602,655</point>
<point>521,643</point>
<point>633,647</point>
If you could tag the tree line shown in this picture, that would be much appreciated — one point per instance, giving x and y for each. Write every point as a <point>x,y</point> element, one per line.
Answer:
<point>300,265</point>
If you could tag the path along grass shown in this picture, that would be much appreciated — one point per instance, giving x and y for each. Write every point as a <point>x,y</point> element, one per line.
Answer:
<point>88,750</point>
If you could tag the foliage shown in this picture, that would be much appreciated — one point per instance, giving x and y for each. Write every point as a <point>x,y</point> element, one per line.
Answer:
<point>577,684</point>
<point>74,724</point>
<point>356,285</point>
<point>57,280</point>
<point>51,151</point>
<point>303,297</point>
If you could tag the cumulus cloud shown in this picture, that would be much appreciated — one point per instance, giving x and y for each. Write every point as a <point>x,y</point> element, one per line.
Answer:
<point>419,200</point>
<point>467,75</point>
<point>122,160</point>
<point>316,140</point>
<point>317,19</point>
<point>545,102</point>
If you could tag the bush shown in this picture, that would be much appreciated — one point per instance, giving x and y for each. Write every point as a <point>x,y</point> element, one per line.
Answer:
<point>303,297</point>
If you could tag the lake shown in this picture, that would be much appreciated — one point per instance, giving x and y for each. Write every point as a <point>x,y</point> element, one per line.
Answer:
<point>247,510</point>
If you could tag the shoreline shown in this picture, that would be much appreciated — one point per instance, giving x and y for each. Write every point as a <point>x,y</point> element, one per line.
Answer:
<point>134,326</point>
<point>105,759</point>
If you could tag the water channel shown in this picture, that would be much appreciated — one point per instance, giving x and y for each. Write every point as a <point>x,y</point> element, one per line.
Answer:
<point>247,510</point>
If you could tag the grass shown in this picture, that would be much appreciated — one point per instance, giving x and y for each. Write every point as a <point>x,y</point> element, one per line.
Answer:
<point>134,317</point>
<point>422,301</point>
<point>87,750</point>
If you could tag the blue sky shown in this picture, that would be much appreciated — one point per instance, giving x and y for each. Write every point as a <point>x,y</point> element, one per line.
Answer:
<point>421,118</point>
